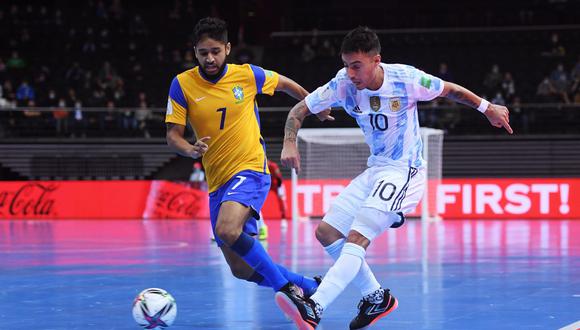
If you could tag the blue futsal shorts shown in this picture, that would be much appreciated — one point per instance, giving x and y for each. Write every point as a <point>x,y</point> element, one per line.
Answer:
<point>249,188</point>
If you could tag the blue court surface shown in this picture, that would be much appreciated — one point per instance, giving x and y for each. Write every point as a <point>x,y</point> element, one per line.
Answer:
<point>454,275</point>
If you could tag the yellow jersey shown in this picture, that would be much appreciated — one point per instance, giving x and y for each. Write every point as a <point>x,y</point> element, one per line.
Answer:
<point>224,109</point>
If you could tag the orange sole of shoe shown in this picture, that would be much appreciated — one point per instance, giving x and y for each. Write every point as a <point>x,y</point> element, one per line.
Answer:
<point>291,311</point>
<point>385,313</point>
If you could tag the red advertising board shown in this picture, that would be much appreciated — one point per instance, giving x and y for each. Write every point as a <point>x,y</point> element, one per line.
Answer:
<point>101,200</point>
<point>509,198</point>
<point>467,198</point>
<point>455,199</point>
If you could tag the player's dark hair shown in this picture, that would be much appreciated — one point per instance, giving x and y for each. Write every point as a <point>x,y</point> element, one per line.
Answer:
<point>361,39</point>
<point>211,27</point>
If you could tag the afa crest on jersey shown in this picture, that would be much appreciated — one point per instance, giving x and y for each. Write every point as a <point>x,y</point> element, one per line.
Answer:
<point>238,94</point>
<point>375,103</point>
<point>395,104</point>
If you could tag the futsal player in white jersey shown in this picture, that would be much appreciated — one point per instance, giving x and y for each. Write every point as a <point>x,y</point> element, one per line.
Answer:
<point>383,100</point>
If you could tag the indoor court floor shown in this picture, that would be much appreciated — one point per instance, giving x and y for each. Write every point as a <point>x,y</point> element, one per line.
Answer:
<point>84,274</point>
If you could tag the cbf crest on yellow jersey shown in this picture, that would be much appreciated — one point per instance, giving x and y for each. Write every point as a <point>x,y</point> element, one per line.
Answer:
<point>224,109</point>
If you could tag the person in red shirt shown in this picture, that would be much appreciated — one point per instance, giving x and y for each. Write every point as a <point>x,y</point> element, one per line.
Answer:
<point>276,186</point>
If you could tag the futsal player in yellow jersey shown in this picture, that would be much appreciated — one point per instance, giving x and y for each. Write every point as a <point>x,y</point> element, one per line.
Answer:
<point>218,100</point>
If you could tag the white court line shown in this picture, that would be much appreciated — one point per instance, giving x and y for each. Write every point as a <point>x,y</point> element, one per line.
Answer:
<point>573,326</point>
<point>38,249</point>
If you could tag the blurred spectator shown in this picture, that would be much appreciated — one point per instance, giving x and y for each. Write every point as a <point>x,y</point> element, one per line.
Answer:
<point>78,122</point>
<point>520,117</point>
<point>101,11</point>
<point>132,51</point>
<point>545,91</point>
<point>108,117</point>
<point>2,70</point>
<point>9,94</point>
<point>89,45</point>
<point>559,79</point>
<point>51,99</point>
<point>2,99</point>
<point>308,54</point>
<point>444,72</point>
<point>188,61</point>
<point>492,80</point>
<point>104,40</point>
<point>575,91</point>
<point>107,77</point>
<point>41,84</point>
<point>15,62</point>
<point>575,73</point>
<point>97,99</point>
<point>498,99</point>
<point>118,93</point>
<point>555,47</point>
<point>137,26</point>
<point>244,55</point>
<point>160,55</point>
<point>508,87</point>
<point>60,115</point>
<point>74,74</point>
<point>71,97</point>
<point>327,50</point>
<point>32,116</point>
<point>116,9</point>
<point>142,115</point>
<point>24,93</point>
<point>176,57</point>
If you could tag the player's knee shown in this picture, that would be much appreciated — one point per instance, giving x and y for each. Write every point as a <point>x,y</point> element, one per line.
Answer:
<point>227,233</point>
<point>326,234</point>
<point>357,238</point>
<point>334,226</point>
<point>370,222</point>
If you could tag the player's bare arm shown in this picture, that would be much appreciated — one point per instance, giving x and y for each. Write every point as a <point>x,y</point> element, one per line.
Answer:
<point>498,115</point>
<point>290,156</point>
<point>179,144</point>
<point>293,89</point>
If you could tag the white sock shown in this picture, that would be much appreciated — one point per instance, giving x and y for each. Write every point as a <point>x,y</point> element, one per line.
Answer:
<point>365,280</point>
<point>340,274</point>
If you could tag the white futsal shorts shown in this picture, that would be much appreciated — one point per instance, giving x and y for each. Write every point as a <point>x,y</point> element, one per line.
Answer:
<point>384,188</point>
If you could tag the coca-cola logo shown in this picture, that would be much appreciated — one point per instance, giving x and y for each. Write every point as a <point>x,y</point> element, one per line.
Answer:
<point>32,199</point>
<point>182,203</point>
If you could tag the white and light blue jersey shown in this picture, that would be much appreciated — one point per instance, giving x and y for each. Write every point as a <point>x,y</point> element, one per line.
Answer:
<point>387,116</point>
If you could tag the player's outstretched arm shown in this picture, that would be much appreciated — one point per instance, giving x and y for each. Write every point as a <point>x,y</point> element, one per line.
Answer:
<point>179,144</point>
<point>293,89</point>
<point>290,156</point>
<point>498,115</point>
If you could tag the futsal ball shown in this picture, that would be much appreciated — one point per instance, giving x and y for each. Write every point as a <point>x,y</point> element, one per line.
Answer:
<point>154,308</point>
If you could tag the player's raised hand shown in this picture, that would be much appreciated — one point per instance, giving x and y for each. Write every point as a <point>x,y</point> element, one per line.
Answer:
<point>199,147</point>
<point>290,156</point>
<point>325,115</point>
<point>498,116</point>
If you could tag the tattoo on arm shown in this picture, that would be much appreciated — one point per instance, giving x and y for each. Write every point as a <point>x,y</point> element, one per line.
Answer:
<point>294,122</point>
<point>462,95</point>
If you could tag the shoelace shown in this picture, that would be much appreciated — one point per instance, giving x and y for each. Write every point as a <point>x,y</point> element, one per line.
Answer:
<point>296,290</point>
<point>360,304</point>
